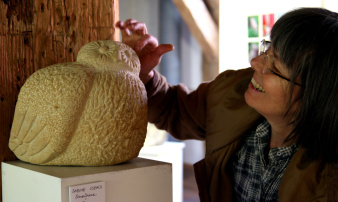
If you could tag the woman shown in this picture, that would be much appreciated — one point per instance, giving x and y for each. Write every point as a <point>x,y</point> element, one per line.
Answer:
<point>270,131</point>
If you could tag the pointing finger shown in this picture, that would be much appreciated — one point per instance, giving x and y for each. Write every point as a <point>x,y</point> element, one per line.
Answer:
<point>164,48</point>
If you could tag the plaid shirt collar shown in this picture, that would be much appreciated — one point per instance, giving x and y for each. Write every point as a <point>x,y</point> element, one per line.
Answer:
<point>258,170</point>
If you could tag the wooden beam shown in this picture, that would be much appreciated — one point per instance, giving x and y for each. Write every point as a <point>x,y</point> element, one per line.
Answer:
<point>213,6</point>
<point>201,25</point>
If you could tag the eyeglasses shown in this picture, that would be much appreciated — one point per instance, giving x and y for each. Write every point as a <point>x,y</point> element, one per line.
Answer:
<point>268,60</point>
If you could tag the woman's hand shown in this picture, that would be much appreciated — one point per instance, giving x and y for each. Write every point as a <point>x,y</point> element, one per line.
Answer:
<point>135,35</point>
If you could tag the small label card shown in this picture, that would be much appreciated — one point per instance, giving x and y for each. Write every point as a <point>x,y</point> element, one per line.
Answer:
<point>93,192</point>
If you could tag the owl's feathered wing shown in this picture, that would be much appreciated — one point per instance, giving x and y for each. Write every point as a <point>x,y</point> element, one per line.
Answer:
<point>45,114</point>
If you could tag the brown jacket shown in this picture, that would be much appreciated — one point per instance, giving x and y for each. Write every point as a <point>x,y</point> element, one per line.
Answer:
<point>217,113</point>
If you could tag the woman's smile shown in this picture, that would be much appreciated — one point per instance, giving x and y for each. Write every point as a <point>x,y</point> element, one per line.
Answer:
<point>257,86</point>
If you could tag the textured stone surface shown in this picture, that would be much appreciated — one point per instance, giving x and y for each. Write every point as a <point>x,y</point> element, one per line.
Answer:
<point>91,112</point>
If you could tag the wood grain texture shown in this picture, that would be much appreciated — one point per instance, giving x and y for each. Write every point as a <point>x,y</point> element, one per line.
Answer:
<point>38,33</point>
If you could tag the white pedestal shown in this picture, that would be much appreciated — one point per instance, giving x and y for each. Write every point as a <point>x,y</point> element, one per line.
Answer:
<point>135,180</point>
<point>170,152</point>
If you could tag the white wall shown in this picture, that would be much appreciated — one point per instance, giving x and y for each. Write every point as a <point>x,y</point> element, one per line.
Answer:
<point>330,4</point>
<point>234,26</point>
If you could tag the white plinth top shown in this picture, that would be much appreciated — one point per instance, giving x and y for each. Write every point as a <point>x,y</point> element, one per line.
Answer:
<point>74,171</point>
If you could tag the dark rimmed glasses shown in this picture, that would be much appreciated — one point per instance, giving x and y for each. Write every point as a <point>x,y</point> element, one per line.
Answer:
<point>268,60</point>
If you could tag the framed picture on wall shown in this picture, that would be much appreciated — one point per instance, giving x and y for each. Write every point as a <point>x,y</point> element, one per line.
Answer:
<point>253,49</point>
<point>268,22</point>
<point>253,26</point>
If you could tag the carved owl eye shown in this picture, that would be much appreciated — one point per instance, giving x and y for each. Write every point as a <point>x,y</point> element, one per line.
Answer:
<point>97,50</point>
<point>128,56</point>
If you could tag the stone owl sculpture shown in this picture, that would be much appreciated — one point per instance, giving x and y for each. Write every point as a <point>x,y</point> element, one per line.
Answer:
<point>92,112</point>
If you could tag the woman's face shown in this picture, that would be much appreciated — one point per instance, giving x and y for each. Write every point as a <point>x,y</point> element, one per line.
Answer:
<point>267,93</point>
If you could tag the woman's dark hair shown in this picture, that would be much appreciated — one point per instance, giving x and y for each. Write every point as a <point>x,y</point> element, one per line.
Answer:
<point>306,40</point>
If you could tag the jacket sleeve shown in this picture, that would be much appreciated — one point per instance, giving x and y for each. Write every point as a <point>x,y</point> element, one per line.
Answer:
<point>184,113</point>
<point>176,109</point>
